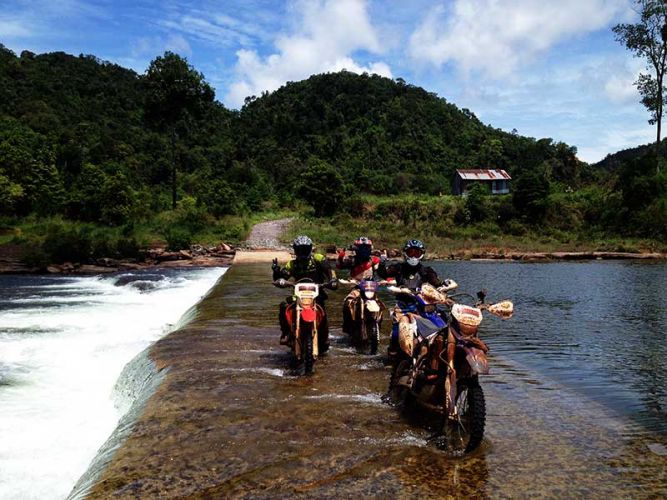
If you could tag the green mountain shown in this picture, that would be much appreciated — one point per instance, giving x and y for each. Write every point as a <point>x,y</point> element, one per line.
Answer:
<point>384,136</point>
<point>95,142</point>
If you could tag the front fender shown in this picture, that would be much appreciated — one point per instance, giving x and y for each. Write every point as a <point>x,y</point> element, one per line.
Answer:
<point>308,314</point>
<point>479,364</point>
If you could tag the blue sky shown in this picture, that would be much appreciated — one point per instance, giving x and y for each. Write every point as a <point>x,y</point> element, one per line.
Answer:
<point>546,68</point>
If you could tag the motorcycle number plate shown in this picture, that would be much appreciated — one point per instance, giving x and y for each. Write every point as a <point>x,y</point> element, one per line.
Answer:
<point>372,306</point>
<point>467,315</point>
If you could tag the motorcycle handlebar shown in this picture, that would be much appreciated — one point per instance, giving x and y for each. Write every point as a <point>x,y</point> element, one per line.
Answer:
<point>344,281</point>
<point>283,283</point>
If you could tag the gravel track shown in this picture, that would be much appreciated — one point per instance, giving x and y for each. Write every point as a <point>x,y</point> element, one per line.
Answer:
<point>267,235</point>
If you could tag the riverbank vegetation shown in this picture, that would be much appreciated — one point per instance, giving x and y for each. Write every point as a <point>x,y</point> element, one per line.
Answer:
<point>96,159</point>
<point>446,225</point>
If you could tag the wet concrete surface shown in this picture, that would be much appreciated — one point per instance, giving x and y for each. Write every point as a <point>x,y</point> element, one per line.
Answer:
<point>229,419</point>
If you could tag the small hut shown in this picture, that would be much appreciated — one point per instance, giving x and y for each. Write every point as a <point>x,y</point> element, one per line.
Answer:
<point>499,180</point>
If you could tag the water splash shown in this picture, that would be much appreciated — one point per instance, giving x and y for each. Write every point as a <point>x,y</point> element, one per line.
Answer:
<point>64,343</point>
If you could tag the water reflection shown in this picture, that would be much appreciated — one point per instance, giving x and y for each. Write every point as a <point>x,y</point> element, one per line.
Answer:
<point>232,421</point>
<point>595,326</point>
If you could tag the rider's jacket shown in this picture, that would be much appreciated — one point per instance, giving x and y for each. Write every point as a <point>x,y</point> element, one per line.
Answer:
<point>358,270</point>
<point>409,276</point>
<point>315,268</point>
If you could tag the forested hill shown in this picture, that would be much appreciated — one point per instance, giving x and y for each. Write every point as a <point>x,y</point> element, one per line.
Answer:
<point>616,160</point>
<point>71,125</point>
<point>385,135</point>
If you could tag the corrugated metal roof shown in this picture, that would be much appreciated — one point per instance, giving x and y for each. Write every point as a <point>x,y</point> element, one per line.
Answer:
<point>482,175</point>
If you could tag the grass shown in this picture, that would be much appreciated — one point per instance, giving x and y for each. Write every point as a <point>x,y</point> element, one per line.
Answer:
<point>388,220</point>
<point>461,241</point>
<point>53,239</point>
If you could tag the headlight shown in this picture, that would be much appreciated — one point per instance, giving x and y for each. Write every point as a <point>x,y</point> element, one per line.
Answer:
<point>369,295</point>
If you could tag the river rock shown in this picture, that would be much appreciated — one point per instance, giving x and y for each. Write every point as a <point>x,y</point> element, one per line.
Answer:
<point>198,250</point>
<point>107,262</point>
<point>167,256</point>
<point>184,254</point>
<point>90,269</point>
<point>127,265</point>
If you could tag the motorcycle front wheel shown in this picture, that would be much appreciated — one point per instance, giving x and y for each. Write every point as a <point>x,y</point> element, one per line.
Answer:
<point>463,433</point>
<point>400,394</point>
<point>373,335</point>
<point>307,347</point>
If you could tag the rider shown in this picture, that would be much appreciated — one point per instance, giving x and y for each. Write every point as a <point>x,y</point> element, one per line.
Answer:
<point>306,265</point>
<point>409,274</point>
<point>362,266</point>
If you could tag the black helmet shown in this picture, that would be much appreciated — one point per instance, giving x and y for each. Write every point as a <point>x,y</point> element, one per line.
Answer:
<point>363,247</point>
<point>413,252</point>
<point>303,247</point>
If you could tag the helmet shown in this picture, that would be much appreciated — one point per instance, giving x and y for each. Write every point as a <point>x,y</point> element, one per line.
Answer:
<point>303,247</point>
<point>413,252</point>
<point>363,247</point>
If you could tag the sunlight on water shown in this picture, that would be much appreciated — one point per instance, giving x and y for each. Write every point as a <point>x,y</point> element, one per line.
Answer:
<point>63,344</point>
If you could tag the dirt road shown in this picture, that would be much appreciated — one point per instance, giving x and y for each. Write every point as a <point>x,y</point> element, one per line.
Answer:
<point>266,235</point>
<point>263,243</point>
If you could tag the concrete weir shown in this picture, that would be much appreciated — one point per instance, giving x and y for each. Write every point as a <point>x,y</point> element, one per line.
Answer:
<point>219,413</point>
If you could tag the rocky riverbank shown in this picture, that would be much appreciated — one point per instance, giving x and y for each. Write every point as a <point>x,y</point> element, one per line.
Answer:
<point>501,254</point>
<point>220,255</point>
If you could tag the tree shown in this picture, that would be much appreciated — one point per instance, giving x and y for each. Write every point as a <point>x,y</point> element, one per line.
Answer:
<point>177,95</point>
<point>321,186</point>
<point>475,203</point>
<point>648,39</point>
<point>531,194</point>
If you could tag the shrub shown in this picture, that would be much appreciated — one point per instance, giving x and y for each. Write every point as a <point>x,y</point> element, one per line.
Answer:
<point>178,238</point>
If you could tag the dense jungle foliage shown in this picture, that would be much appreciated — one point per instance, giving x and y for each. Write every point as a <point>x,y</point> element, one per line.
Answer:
<point>88,144</point>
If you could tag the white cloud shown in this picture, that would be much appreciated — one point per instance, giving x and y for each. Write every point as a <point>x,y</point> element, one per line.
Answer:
<point>12,28</point>
<point>155,46</point>
<point>496,37</point>
<point>620,85</point>
<point>178,44</point>
<point>326,35</point>
<point>620,89</point>
<point>616,139</point>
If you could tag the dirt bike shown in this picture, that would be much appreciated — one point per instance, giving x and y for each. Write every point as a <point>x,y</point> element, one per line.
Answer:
<point>303,316</point>
<point>365,312</point>
<point>439,367</point>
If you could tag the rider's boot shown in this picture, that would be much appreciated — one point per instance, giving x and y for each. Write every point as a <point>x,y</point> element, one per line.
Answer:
<point>347,320</point>
<point>284,326</point>
<point>394,347</point>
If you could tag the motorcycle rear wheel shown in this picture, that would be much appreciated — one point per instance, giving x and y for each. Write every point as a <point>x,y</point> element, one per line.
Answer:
<point>464,434</point>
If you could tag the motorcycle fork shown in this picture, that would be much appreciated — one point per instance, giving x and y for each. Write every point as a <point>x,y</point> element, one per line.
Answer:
<point>297,334</point>
<point>450,379</point>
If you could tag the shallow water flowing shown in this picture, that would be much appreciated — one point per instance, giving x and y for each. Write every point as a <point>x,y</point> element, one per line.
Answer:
<point>575,401</point>
<point>63,344</point>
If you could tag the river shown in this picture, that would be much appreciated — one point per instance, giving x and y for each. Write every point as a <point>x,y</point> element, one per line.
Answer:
<point>598,328</point>
<point>575,399</point>
<point>63,344</point>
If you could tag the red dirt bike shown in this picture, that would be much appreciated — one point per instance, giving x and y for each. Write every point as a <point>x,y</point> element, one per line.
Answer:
<point>439,367</point>
<point>304,316</point>
<point>366,312</point>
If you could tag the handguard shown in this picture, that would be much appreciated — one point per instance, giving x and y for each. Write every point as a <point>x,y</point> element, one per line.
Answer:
<point>504,309</point>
